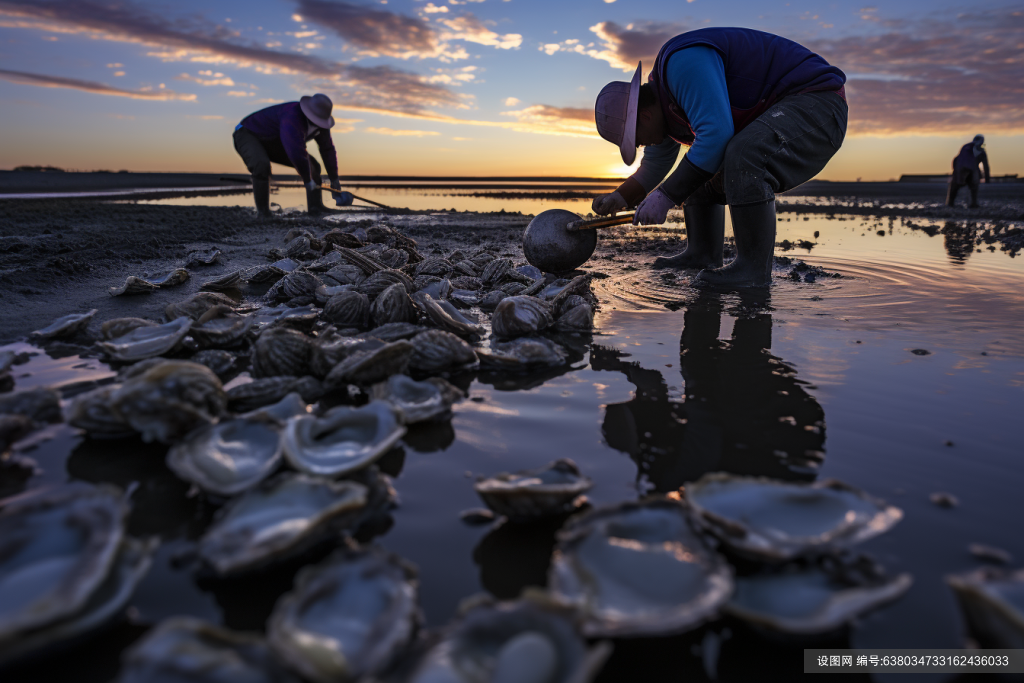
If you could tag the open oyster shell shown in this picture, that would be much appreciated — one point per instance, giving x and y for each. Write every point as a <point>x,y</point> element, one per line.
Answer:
<point>437,350</point>
<point>66,326</point>
<point>638,569</point>
<point>347,618</point>
<point>343,440</point>
<point>369,366</point>
<point>447,317</point>
<point>56,548</point>
<point>522,355</point>
<point>517,316</point>
<point>812,600</point>
<point>531,639</point>
<point>417,401</point>
<point>188,649</point>
<point>774,521</point>
<point>277,520</point>
<point>221,327</point>
<point>118,327</point>
<point>147,342</point>
<point>267,390</point>
<point>228,457</point>
<point>530,494</point>
<point>992,602</point>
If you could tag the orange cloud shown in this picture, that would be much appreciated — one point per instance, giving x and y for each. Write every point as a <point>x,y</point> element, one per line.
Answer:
<point>44,81</point>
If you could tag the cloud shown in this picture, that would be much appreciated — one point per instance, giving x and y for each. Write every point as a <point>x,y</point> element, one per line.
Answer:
<point>402,133</point>
<point>220,79</point>
<point>431,8</point>
<point>465,74</point>
<point>622,46</point>
<point>543,118</point>
<point>964,74</point>
<point>511,101</point>
<point>373,31</point>
<point>239,93</point>
<point>467,27</point>
<point>380,87</point>
<point>44,81</point>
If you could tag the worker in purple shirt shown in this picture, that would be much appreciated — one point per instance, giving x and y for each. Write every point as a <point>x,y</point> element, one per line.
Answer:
<point>760,113</point>
<point>965,170</point>
<point>279,134</point>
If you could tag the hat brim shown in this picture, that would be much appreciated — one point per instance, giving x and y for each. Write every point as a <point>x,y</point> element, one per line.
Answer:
<point>318,121</point>
<point>627,148</point>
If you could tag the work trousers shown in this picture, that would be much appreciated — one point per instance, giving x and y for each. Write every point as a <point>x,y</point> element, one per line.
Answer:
<point>782,148</point>
<point>970,177</point>
<point>257,155</point>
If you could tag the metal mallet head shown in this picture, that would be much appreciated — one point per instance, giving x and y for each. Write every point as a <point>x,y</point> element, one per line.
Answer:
<point>557,241</point>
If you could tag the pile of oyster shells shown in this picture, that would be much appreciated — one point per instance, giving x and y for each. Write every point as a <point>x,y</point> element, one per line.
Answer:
<point>358,320</point>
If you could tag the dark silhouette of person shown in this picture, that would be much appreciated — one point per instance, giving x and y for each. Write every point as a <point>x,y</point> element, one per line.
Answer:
<point>743,411</point>
<point>965,170</point>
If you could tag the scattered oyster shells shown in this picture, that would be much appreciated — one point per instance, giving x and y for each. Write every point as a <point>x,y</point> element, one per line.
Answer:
<point>517,316</point>
<point>438,350</point>
<point>992,603</point>
<point>370,366</point>
<point>263,274</point>
<point>281,351</point>
<point>447,317</point>
<point>375,284</point>
<point>811,600</point>
<point>576,319</point>
<point>637,569</point>
<point>277,520</point>
<point>348,618</point>
<point>221,327</point>
<point>530,494</point>
<point>221,362</point>
<point>417,401</point>
<point>66,326</point>
<point>118,327</point>
<point>228,457</point>
<point>202,257</point>
<point>343,440</point>
<point>393,305</point>
<point>773,521</point>
<point>530,639</point>
<point>196,305</point>
<point>227,282</point>
<point>188,649</point>
<point>268,390</point>
<point>134,285</point>
<point>147,342</point>
<point>39,404</point>
<point>522,355</point>
<point>348,309</point>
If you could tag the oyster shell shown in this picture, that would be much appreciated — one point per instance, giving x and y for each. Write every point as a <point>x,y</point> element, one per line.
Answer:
<point>992,602</point>
<point>517,316</point>
<point>437,350</point>
<point>221,362</point>
<point>196,305</point>
<point>202,257</point>
<point>228,457</point>
<point>277,520</point>
<point>522,355</point>
<point>348,309</point>
<point>188,649</point>
<point>447,317</point>
<point>394,331</point>
<point>134,285</point>
<point>637,569</point>
<point>343,440</point>
<point>375,285</point>
<point>263,274</point>
<point>491,299</point>
<point>466,268</point>
<point>298,284</point>
<point>281,351</point>
<point>417,401</point>
<point>330,348</point>
<point>325,262</point>
<point>773,521</point>
<point>66,326</point>
<point>57,546</point>
<point>530,639</point>
<point>496,271</point>
<point>93,411</point>
<point>147,342</point>
<point>514,288</point>
<point>221,327</point>
<point>325,292</point>
<point>229,281</point>
<point>169,399</point>
<point>288,407</point>
<point>342,239</point>
<point>812,600</point>
<point>39,404</point>
<point>366,264</point>
<point>438,267</point>
<point>393,305</point>
<point>348,618</point>
<point>118,327</point>
<point>369,366</point>
<point>577,319</point>
<point>104,604</point>
<point>298,317</point>
<point>346,274</point>
<point>268,390</point>
<point>531,494</point>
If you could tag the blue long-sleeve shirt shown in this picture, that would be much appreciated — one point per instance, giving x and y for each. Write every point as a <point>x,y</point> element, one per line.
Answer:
<point>286,123</point>
<point>696,78</point>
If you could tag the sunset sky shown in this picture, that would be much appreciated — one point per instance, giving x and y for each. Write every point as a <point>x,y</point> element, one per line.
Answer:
<point>474,87</point>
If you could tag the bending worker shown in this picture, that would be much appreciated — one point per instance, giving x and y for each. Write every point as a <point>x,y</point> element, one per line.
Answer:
<point>279,134</point>
<point>965,170</point>
<point>761,115</point>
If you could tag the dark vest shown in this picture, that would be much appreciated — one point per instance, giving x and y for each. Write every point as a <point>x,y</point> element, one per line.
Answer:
<point>760,69</point>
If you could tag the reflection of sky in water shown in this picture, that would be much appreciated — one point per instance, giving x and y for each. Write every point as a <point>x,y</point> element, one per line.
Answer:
<point>816,381</point>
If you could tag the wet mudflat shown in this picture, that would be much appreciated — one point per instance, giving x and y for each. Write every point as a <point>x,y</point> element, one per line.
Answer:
<point>902,377</point>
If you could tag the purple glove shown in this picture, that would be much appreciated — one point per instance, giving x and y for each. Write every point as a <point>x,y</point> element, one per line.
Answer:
<point>654,209</point>
<point>608,203</point>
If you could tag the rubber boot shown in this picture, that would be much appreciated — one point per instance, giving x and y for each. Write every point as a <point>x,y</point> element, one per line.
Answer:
<point>951,195</point>
<point>705,239</point>
<point>315,201</point>
<point>261,193</point>
<point>974,196</point>
<point>754,229</point>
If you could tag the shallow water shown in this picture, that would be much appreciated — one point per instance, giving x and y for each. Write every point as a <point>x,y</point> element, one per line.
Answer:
<point>813,381</point>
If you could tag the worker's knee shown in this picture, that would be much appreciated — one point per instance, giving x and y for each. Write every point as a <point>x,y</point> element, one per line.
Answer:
<point>314,167</point>
<point>260,169</point>
<point>745,176</point>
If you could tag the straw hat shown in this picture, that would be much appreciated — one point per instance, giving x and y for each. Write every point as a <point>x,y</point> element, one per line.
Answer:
<point>318,109</point>
<point>615,114</point>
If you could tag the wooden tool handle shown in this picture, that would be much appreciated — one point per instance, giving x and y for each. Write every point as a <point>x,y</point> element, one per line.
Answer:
<point>355,196</point>
<point>590,223</point>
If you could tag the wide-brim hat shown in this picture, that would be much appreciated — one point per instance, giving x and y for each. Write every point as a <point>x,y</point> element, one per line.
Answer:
<point>317,109</point>
<point>615,115</point>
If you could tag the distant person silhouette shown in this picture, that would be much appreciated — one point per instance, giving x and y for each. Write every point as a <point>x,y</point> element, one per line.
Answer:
<point>965,170</point>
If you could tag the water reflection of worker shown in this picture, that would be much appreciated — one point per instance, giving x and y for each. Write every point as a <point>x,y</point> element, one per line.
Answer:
<point>279,134</point>
<point>744,410</point>
<point>763,114</point>
<point>966,172</point>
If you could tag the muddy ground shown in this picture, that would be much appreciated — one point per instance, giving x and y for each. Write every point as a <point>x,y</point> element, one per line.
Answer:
<point>62,256</point>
